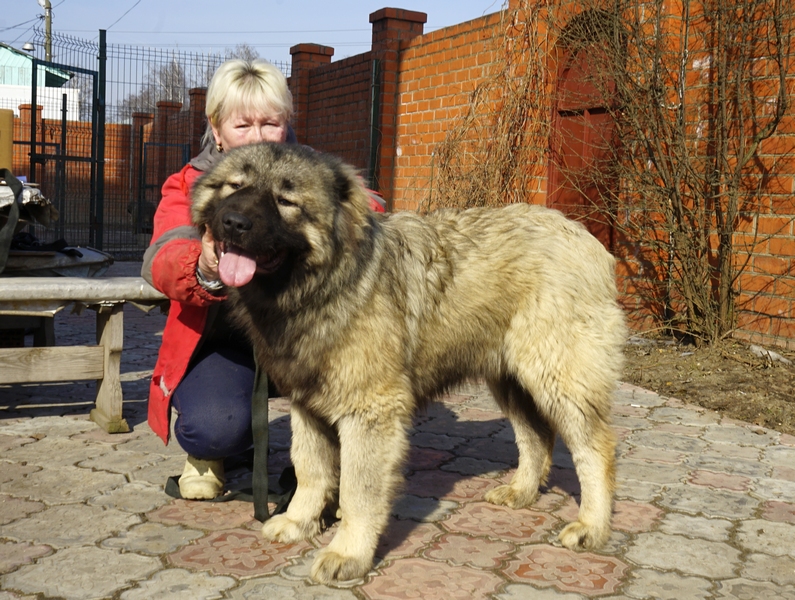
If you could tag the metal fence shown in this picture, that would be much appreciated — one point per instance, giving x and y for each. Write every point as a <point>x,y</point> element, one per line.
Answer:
<point>135,161</point>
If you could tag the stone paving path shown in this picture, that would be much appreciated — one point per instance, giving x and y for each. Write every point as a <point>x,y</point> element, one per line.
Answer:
<point>705,506</point>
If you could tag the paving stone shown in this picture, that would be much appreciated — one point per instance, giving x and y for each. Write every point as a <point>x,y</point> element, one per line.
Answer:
<point>135,497</point>
<point>70,525</point>
<point>746,435</point>
<point>467,550</point>
<point>56,452</point>
<point>520,526</point>
<point>638,490</point>
<point>447,486</point>
<point>779,455</point>
<point>733,466</point>
<point>299,567</point>
<point>10,596</point>
<point>121,461</point>
<point>474,466</point>
<point>62,486</point>
<point>645,583</point>
<point>179,584</point>
<point>689,556</point>
<point>715,530</point>
<point>684,416</point>
<point>7,442</point>
<point>435,440</point>
<point>668,441</point>
<point>632,394</point>
<point>12,508</point>
<point>774,489</point>
<point>238,552</point>
<point>84,573</point>
<point>159,472</point>
<point>742,589</point>
<point>581,572</point>
<point>47,426</point>
<point>783,512</point>
<point>16,554</point>
<point>497,451</point>
<point>762,567</point>
<point>277,587</point>
<point>424,510</point>
<point>709,502</point>
<point>775,539</point>
<point>660,473</point>
<point>9,471</point>
<point>153,539</point>
<point>404,538</point>
<point>516,591</point>
<point>417,578</point>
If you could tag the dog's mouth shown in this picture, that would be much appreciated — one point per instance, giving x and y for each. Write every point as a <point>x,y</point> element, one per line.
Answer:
<point>236,267</point>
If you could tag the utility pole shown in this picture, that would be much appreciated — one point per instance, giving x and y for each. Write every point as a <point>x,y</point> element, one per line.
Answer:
<point>47,6</point>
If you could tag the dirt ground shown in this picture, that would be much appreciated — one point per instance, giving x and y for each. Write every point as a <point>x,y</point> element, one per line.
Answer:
<point>727,378</point>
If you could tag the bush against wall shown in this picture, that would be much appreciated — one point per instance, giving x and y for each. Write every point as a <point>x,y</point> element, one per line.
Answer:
<point>698,153</point>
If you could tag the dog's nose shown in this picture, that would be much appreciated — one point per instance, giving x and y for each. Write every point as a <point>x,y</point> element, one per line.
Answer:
<point>236,223</point>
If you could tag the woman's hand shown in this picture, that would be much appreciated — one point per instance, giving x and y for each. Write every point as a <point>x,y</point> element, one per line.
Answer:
<point>208,259</point>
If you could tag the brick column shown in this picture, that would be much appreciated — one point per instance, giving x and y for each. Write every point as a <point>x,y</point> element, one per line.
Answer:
<point>197,122</point>
<point>391,27</point>
<point>306,57</point>
<point>165,109</point>
<point>139,138</point>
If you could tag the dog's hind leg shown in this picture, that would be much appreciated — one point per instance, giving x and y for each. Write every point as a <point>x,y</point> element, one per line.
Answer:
<point>534,438</point>
<point>373,450</point>
<point>580,415</point>
<point>315,456</point>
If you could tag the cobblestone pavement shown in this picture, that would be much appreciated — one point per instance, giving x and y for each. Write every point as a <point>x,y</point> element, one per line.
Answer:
<point>704,507</point>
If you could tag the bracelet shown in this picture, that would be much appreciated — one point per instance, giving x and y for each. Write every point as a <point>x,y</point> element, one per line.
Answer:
<point>210,286</point>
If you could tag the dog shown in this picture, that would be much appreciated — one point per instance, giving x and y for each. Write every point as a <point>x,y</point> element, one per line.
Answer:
<point>364,318</point>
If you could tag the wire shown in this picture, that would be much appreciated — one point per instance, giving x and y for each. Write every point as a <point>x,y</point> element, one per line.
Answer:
<point>20,24</point>
<point>124,15</point>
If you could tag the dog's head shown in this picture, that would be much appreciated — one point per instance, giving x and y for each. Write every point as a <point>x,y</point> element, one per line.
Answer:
<point>273,208</point>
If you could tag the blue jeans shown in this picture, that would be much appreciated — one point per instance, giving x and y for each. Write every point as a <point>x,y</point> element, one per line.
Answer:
<point>213,402</point>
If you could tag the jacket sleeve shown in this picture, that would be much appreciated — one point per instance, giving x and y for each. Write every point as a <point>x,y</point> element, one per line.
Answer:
<point>171,259</point>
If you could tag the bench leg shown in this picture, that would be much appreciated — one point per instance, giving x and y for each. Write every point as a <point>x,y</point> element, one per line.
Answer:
<point>110,335</point>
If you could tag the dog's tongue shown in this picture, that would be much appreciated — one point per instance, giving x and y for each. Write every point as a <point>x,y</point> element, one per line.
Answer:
<point>236,268</point>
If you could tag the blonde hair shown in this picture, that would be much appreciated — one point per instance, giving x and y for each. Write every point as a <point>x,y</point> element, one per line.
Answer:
<point>246,85</point>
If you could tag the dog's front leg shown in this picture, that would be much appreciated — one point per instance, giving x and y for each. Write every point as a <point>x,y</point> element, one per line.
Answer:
<point>372,449</point>
<point>315,456</point>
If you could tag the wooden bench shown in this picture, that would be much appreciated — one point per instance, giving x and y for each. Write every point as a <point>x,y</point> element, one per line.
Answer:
<point>39,298</point>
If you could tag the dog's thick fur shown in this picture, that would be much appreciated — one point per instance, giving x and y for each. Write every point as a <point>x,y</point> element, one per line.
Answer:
<point>363,318</point>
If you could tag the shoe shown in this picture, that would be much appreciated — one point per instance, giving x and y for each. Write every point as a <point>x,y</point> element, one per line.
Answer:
<point>202,479</point>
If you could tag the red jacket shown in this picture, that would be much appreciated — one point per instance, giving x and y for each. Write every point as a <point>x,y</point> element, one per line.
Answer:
<point>170,266</point>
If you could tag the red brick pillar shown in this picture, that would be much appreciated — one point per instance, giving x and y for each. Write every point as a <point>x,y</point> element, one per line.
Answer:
<point>139,138</point>
<point>306,57</point>
<point>391,27</point>
<point>25,116</point>
<point>197,123</point>
<point>165,110</point>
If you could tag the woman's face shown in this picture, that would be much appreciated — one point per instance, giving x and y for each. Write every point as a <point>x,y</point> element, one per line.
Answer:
<point>249,127</point>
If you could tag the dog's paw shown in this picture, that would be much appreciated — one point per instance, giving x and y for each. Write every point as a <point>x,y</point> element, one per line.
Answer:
<point>578,536</point>
<point>505,495</point>
<point>331,567</point>
<point>281,528</point>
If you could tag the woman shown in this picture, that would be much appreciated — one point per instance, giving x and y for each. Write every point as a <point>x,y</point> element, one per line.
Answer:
<point>205,369</point>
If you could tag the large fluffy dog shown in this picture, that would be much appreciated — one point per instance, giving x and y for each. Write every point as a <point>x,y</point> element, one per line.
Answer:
<point>364,317</point>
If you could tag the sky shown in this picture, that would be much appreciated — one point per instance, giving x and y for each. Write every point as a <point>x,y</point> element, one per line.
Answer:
<point>271,27</point>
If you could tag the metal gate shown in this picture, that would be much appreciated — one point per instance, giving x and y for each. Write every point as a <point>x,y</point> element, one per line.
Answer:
<point>78,191</point>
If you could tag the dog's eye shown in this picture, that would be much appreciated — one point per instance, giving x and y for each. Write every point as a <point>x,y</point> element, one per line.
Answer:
<point>284,202</point>
<point>235,185</point>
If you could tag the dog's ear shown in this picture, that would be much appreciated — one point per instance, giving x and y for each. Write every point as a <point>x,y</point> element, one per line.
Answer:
<point>343,185</point>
